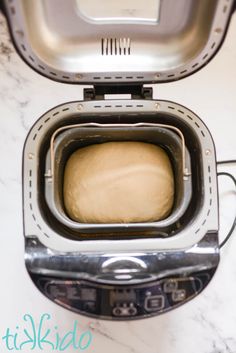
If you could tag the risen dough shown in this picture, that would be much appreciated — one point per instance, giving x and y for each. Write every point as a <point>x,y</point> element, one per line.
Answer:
<point>117,182</point>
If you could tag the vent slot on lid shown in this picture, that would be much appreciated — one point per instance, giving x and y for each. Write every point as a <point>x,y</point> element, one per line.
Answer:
<point>115,46</point>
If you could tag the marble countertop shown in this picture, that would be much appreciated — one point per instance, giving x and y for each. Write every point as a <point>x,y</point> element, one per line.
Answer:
<point>207,324</point>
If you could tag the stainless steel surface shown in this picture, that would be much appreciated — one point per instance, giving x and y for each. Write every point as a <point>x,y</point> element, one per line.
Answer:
<point>67,139</point>
<point>202,215</point>
<point>71,42</point>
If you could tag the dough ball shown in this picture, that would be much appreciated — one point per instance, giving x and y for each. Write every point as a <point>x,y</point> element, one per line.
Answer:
<point>118,182</point>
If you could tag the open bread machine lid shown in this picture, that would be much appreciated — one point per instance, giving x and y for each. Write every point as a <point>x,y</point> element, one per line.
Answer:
<point>125,41</point>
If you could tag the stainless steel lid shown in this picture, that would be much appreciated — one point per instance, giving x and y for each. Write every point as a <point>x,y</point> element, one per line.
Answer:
<point>125,41</point>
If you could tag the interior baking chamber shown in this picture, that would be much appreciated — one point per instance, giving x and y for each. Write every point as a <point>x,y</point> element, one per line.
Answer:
<point>68,139</point>
<point>186,207</point>
<point>118,41</point>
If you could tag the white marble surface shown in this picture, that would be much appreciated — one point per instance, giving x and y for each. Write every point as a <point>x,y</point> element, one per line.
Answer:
<point>208,323</point>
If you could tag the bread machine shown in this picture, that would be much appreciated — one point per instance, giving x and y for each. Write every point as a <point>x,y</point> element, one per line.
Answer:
<point>134,270</point>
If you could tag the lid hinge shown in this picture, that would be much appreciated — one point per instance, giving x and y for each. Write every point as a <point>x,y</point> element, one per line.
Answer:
<point>99,92</point>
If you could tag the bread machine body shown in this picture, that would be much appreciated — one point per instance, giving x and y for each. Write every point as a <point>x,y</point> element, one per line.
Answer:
<point>128,271</point>
<point>123,271</point>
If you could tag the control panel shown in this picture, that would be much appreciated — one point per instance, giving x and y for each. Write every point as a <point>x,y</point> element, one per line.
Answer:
<point>121,301</point>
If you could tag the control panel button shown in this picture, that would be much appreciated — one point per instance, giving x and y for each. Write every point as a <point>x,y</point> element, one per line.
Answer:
<point>170,286</point>
<point>127,309</point>
<point>178,295</point>
<point>154,302</point>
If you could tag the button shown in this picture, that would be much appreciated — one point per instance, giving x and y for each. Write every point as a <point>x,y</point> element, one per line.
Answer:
<point>132,311</point>
<point>154,302</point>
<point>117,311</point>
<point>179,295</point>
<point>170,286</point>
<point>125,310</point>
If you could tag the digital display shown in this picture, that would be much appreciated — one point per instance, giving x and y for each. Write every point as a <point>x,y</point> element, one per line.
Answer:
<point>122,295</point>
